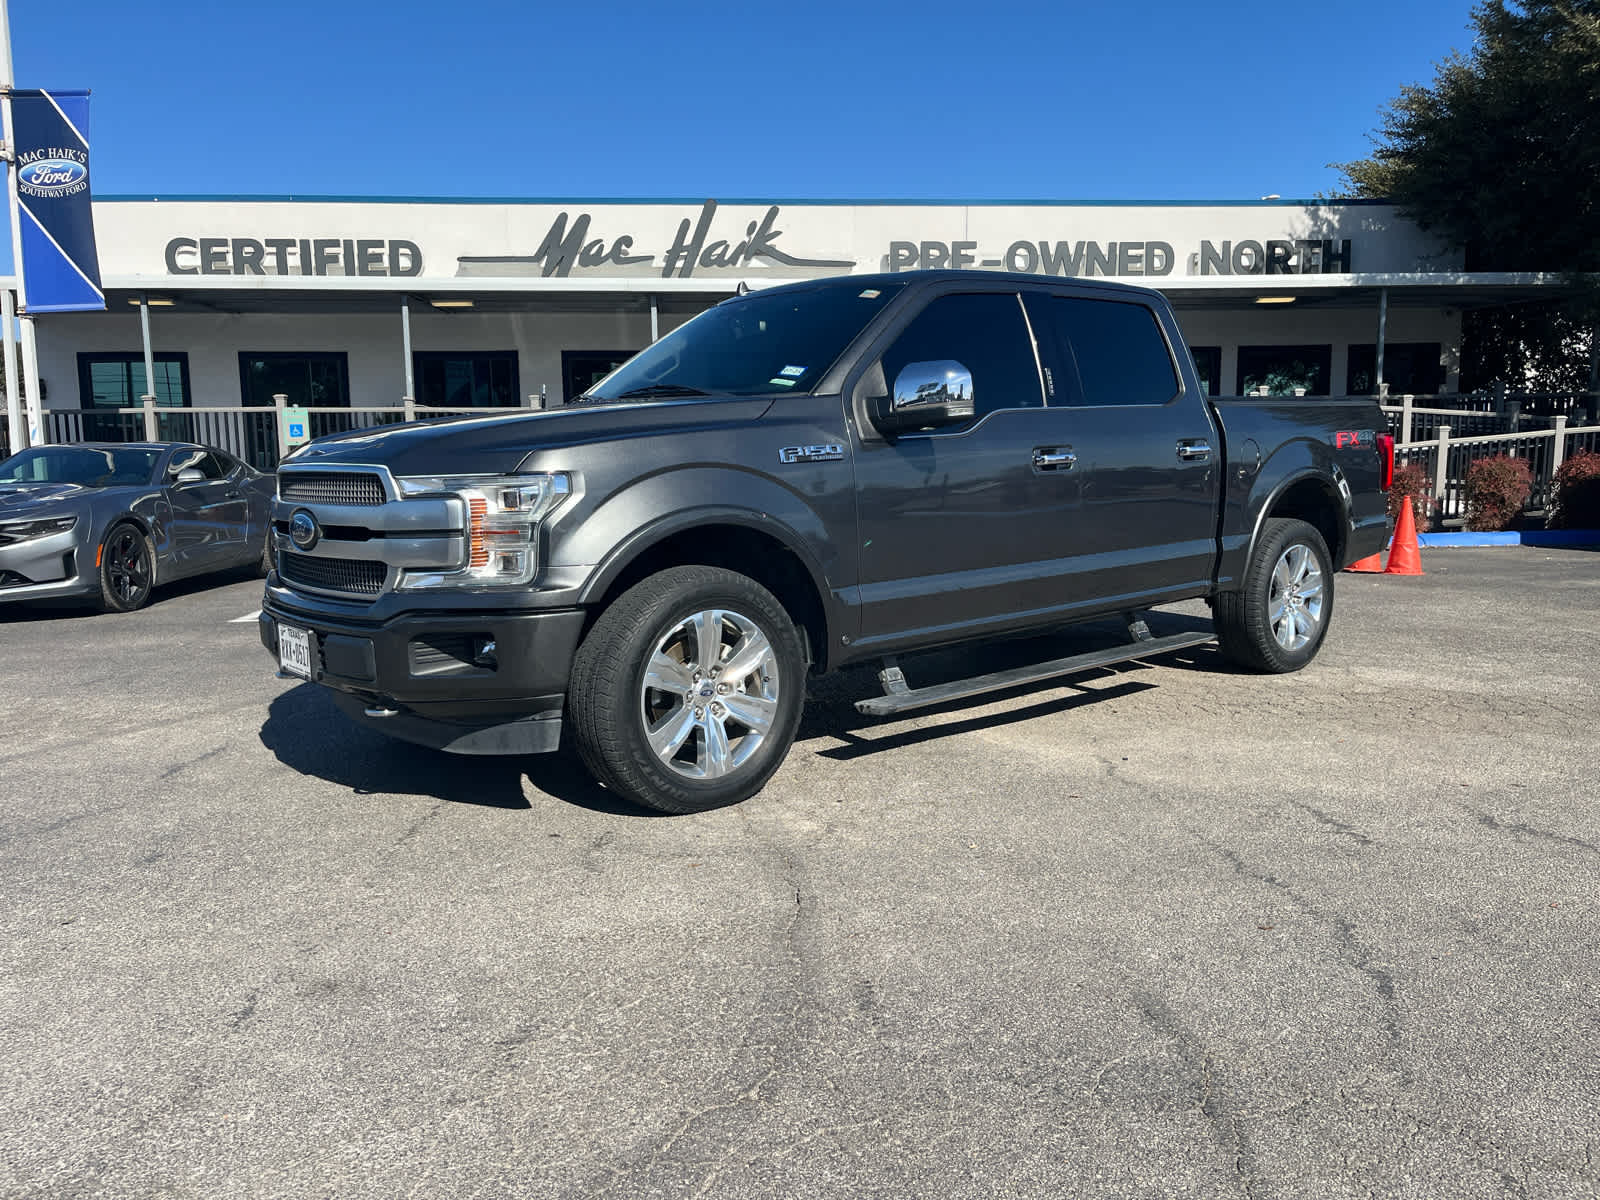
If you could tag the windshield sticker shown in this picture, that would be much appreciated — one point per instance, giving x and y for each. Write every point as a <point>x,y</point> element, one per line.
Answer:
<point>782,382</point>
<point>869,294</point>
<point>792,372</point>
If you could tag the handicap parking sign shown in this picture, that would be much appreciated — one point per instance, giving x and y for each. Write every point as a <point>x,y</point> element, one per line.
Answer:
<point>296,427</point>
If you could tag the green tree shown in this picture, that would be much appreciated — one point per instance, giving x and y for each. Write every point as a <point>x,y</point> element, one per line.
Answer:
<point>1500,156</point>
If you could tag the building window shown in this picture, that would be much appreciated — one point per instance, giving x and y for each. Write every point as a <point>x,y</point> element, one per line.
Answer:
<point>582,369</point>
<point>117,380</point>
<point>1208,365</point>
<point>1409,367</point>
<point>315,379</point>
<point>465,378</point>
<point>1282,369</point>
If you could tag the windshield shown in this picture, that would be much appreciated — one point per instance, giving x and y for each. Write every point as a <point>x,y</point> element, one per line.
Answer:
<point>757,344</point>
<point>79,464</point>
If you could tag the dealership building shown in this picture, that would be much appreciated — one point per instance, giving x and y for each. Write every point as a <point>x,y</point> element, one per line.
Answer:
<point>363,303</point>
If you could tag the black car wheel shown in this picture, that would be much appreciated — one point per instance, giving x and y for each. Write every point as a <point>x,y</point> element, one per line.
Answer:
<point>686,694</point>
<point>127,569</point>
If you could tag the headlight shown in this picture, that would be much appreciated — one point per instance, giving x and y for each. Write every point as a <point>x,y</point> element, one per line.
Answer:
<point>503,516</point>
<point>22,531</point>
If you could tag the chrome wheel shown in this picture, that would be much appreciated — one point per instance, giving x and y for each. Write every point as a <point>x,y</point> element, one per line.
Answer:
<point>1294,604</point>
<point>709,696</point>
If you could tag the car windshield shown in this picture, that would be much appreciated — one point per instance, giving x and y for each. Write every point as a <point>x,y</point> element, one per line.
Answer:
<point>90,467</point>
<point>757,344</point>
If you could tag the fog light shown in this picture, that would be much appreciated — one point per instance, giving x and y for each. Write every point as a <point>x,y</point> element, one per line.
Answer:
<point>483,653</point>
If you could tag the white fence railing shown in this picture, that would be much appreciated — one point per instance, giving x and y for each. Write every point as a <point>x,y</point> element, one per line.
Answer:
<point>1447,458</point>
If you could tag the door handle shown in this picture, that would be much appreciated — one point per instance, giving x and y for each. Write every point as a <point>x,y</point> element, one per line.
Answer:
<point>1053,458</point>
<point>1194,450</point>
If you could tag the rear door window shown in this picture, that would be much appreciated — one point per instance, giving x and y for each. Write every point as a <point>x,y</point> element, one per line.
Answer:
<point>1112,352</point>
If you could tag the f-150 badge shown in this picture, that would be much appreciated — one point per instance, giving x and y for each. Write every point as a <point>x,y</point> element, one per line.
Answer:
<point>810,454</point>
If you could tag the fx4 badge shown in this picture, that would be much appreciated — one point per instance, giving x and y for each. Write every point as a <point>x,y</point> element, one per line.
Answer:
<point>810,454</point>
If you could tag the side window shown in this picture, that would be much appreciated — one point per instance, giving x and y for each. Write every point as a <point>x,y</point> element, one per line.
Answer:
<point>986,334</point>
<point>203,461</point>
<point>1116,349</point>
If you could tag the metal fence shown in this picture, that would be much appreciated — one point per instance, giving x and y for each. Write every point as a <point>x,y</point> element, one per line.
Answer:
<point>250,434</point>
<point>1447,458</point>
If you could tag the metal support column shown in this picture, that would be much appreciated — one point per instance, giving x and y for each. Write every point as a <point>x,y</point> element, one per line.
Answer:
<point>15,424</point>
<point>405,342</point>
<point>37,434</point>
<point>655,321</point>
<point>1383,332</point>
<point>24,386</point>
<point>149,354</point>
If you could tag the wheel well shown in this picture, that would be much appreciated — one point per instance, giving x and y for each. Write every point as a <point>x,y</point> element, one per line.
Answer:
<point>1314,502</point>
<point>749,552</point>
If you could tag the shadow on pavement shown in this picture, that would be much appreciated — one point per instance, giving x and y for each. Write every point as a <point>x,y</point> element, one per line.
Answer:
<point>308,734</point>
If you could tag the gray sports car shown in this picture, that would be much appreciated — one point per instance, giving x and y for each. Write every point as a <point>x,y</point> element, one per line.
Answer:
<point>110,521</point>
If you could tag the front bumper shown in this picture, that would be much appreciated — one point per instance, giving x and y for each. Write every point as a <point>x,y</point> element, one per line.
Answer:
<point>44,568</point>
<point>422,676</point>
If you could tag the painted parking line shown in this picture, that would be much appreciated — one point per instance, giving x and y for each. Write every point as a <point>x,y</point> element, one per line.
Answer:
<point>247,617</point>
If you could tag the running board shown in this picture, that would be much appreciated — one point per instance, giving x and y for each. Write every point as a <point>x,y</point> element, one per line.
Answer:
<point>900,698</point>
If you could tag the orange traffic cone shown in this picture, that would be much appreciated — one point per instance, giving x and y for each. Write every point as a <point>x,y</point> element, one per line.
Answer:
<point>1372,564</point>
<point>1404,558</point>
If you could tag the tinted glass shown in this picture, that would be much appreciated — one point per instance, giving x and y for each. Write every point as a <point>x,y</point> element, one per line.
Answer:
<point>312,380</point>
<point>1282,369</point>
<point>752,345</point>
<point>77,464</point>
<point>1117,348</point>
<point>984,333</point>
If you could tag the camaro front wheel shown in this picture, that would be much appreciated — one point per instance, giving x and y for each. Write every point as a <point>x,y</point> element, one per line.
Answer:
<point>686,694</point>
<point>127,569</point>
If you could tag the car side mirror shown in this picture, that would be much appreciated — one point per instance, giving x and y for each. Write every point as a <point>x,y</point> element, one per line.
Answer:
<point>191,475</point>
<point>926,395</point>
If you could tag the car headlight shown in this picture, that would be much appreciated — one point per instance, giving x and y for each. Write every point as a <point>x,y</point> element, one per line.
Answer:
<point>503,516</point>
<point>23,531</point>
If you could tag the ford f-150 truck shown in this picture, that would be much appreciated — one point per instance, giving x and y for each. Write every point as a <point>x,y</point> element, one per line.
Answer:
<point>800,478</point>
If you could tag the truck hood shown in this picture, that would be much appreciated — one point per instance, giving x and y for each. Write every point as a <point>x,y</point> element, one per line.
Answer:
<point>496,444</point>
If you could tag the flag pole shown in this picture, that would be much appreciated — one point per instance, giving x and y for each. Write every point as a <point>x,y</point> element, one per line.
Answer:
<point>14,388</point>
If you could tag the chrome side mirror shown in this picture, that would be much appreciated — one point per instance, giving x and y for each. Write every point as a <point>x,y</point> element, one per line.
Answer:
<point>930,394</point>
<point>191,475</point>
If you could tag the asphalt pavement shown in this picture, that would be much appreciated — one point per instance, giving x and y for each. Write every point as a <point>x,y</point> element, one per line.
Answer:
<point>1162,930</point>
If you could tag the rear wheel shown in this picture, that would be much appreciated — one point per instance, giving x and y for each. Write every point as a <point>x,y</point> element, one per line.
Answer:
<point>686,694</point>
<point>1277,620</point>
<point>127,569</point>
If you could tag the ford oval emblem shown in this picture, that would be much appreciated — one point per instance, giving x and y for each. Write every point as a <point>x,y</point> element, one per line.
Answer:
<point>52,176</point>
<point>303,530</point>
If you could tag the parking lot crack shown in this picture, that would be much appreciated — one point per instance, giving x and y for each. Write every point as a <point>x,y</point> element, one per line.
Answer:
<point>1525,830</point>
<point>417,825</point>
<point>1335,824</point>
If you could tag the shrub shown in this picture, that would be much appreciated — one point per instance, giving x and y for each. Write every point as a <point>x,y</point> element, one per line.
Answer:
<point>1575,503</point>
<point>1497,489</point>
<point>1411,482</point>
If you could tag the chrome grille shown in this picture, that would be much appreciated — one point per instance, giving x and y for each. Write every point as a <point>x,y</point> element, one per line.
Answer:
<point>331,487</point>
<point>356,576</point>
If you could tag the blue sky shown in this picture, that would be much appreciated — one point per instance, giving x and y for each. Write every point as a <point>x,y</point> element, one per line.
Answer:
<point>1007,99</point>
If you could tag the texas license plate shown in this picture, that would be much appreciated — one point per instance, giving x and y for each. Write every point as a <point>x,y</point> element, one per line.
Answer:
<point>294,650</point>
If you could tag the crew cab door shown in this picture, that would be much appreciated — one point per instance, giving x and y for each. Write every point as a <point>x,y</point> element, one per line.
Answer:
<point>956,522</point>
<point>1148,452</point>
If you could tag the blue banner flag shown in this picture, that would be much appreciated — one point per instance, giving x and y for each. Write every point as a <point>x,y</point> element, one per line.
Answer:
<point>60,270</point>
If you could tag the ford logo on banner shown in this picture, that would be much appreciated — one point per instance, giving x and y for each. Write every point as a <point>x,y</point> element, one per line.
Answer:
<point>52,176</point>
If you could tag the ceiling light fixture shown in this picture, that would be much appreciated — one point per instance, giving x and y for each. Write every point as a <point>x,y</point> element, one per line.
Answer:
<point>1274,299</point>
<point>451,303</point>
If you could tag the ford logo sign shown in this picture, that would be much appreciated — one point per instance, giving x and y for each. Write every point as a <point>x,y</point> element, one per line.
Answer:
<point>52,176</point>
<point>303,530</point>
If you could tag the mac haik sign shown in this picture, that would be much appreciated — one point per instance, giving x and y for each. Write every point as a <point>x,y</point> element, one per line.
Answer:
<point>379,244</point>
<point>60,269</point>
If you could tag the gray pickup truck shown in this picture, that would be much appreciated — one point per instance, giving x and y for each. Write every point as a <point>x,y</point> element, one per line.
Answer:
<point>802,478</point>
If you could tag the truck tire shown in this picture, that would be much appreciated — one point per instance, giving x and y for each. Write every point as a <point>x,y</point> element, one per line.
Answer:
<point>1276,621</point>
<point>686,693</point>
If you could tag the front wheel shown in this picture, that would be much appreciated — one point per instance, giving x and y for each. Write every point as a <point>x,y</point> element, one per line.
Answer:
<point>1277,620</point>
<point>127,569</point>
<point>686,694</point>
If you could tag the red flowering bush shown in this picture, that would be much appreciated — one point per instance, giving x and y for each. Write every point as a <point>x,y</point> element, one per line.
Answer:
<point>1497,489</point>
<point>1575,503</point>
<point>1411,483</point>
